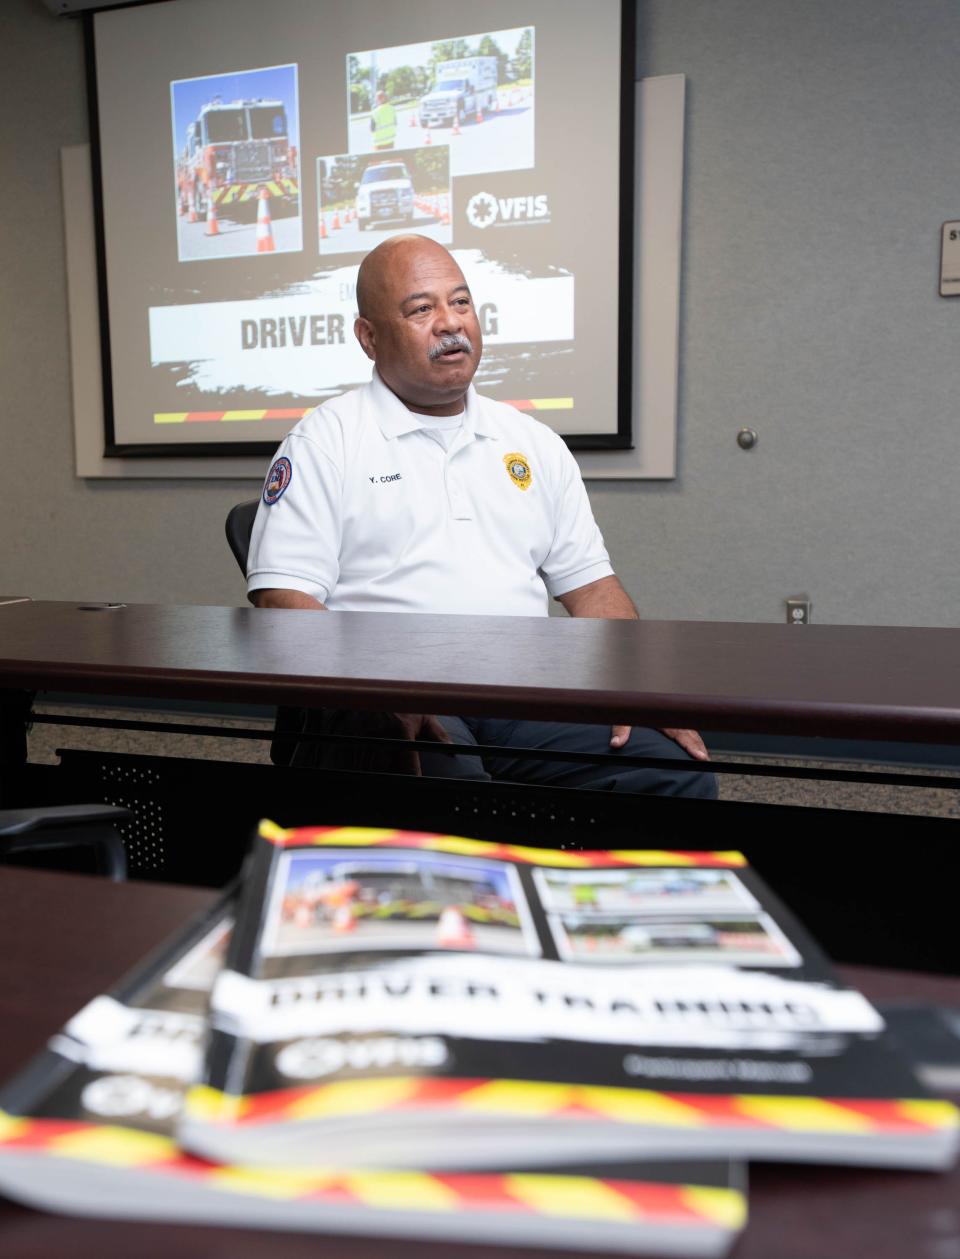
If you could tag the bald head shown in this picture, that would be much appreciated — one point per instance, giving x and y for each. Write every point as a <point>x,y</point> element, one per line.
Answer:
<point>417,322</point>
<point>384,261</point>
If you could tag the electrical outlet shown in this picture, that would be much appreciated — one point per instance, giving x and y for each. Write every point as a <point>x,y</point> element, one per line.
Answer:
<point>798,609</point>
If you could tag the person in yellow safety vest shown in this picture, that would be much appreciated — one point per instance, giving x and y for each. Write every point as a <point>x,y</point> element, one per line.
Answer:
<point>383,123</point>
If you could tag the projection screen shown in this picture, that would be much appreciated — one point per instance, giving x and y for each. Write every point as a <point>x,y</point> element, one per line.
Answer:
<point>249,155</point>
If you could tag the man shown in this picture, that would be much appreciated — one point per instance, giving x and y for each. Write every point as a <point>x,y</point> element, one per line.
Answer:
<point>383,123</point>
<point>414,494</point>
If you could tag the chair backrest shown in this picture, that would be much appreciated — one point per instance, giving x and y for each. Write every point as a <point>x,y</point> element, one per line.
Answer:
<point>289,721</point>
<point>239,526</point>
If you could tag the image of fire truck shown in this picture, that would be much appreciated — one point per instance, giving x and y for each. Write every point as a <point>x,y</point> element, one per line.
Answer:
<point>233,151</point>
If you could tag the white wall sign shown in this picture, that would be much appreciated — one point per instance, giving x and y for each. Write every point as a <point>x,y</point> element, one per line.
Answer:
<point>950,259</point>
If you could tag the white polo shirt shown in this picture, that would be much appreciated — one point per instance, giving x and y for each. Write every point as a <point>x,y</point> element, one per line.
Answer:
<point>366,511</point>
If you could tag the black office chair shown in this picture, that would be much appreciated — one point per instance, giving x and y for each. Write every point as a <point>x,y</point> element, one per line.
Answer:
<point>239,527</point>
<point>40,828</point>
<point>289,722</point>
<point>34,830</point>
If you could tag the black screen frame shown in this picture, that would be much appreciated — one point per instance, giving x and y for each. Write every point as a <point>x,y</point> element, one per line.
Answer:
<point>622,439</point>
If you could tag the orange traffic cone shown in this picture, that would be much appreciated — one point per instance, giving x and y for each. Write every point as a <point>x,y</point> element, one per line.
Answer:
<point>413,118</point>
<point>265,243</point>
<point>453,930</point>
<point>496,107</point>
<point>456,125</point>
<point>323,228</point>
<point>336,221</point>
<point>343,920</point>
<point>213,227</point>
<point>428,139</point>
<point>479,113</point>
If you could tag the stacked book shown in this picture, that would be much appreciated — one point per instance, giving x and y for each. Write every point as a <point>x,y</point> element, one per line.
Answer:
<point>404,1034</point>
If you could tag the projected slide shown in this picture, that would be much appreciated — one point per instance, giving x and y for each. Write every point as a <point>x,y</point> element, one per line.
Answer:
<point>253,155</point>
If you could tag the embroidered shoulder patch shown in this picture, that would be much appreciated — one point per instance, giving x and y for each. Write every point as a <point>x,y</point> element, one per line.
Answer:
<point>278,478</point>
<point>519,469</point>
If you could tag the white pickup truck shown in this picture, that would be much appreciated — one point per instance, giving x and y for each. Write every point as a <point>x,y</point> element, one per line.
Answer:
<point>385,194</point>
<point>462,89</point>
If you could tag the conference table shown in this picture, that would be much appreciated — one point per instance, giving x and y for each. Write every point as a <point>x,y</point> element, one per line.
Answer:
<point>846,682</point>
<point>61,945</point>
<point>877,683</point>
<point>66,938</point>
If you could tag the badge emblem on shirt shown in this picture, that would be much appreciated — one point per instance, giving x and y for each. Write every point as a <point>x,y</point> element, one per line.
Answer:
<point>519,469</point>
<point>278,478</point>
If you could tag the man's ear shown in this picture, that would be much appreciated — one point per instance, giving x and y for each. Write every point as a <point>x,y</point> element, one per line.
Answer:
<point>364,332</point>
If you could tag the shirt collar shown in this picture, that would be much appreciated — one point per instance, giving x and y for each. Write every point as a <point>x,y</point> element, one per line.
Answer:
<point>394,419</point>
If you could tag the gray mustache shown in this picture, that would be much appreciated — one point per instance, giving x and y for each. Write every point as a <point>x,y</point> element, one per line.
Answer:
<point>455,341</point>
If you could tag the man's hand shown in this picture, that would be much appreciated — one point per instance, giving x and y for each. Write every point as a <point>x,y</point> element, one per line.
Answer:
<point>606,599</point>
<point>384,725</point>
<point>689,740</point>
<point>382,758</point>
<point>417,726</point>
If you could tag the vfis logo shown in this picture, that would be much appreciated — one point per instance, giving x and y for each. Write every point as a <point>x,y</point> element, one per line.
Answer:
<point>486,210</point>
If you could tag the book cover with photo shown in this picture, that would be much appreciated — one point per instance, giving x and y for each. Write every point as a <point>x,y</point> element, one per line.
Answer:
<point>88,1129</point>
<point>431,1000</point>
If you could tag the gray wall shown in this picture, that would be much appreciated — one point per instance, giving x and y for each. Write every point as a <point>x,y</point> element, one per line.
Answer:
<point>822,157</point>
<point>62,538</point>
<point>823,154</point>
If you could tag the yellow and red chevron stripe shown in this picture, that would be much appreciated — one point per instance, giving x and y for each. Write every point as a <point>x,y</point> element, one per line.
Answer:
<point>214,417</point>
<point>541,404</point>
<point>642,1107</point>
<point>518,1193</point>
<point>374,837</point>
<point>246,192</point>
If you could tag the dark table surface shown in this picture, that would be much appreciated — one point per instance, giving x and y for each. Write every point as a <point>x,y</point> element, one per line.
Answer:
<point>845,681</point>
<point>65,938</point>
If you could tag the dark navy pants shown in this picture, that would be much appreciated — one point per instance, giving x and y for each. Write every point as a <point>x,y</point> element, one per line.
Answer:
<point>567,737</point>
